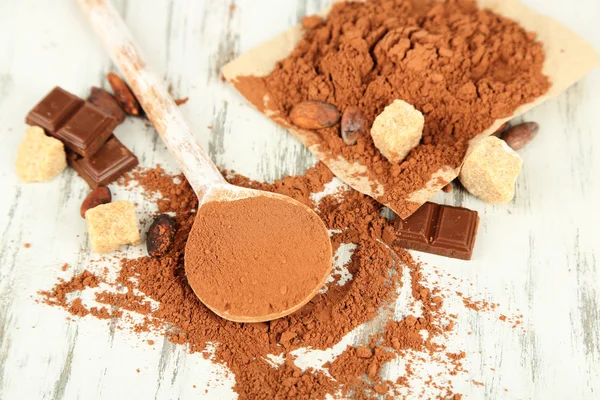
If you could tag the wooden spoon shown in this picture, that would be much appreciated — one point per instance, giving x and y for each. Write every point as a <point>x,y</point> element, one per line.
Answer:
<point>212,189</point>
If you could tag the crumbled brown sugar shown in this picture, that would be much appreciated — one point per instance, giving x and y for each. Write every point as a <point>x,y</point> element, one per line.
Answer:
<point>40,158</point>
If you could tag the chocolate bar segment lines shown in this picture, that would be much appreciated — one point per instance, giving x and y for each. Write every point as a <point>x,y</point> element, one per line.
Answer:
<point>109,163</point>
<point>455,229</point>
<point>87,130</point>
<point>54,110</point>
<point>439,229</point>
<point>420,224</point>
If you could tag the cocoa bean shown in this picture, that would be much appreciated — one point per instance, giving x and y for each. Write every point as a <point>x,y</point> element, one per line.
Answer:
<point>161,235</point>
<point>100,195</point>
<point>354,125</point>
<point>520,135</point>
<point>314,115</point>
<point>124,95</point>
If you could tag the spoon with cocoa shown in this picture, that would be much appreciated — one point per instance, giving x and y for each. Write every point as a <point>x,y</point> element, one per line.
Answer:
<point>251,255</point>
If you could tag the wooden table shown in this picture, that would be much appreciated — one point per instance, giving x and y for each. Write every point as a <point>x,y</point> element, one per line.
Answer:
<point>537,256</point>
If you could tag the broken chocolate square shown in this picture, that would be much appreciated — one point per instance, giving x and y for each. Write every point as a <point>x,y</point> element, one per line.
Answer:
<point>439,229</point>
<point>87,130</point>
<point>54,110</point>
<point>109,163</point>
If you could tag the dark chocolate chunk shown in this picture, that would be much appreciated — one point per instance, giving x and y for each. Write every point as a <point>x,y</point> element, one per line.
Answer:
<point>109,163</point>
<point>87,130</point>
<point>107,103</point>
<point>418,226</point>
<point>439,229</point>
<point>54,110</point>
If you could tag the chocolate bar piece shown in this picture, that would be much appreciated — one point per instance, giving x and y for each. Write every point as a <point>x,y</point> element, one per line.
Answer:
<point>438,229</point>
<point>106,102</point>
<point>54,110</point>
<point>87,130</point>
<point>81,126</point>
<point>109,163</point>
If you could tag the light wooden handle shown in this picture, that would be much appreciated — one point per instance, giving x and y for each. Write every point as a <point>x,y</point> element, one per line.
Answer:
<point>152,95</point>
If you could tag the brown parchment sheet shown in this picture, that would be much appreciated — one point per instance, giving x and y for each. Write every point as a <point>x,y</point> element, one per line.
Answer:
<point>568,59</point>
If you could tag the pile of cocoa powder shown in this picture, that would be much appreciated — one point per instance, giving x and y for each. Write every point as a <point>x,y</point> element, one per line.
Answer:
<point>376,272</point>
<point>461,66</point>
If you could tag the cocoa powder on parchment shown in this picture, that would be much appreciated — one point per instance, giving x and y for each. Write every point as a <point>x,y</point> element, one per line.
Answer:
<point>368,296</point>
<point>461,66</point>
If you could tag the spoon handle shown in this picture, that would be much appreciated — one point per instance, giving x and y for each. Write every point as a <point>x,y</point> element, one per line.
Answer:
<point>152,95</point>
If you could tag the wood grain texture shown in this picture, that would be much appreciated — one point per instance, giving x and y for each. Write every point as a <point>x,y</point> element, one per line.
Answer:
<point>537,256</point>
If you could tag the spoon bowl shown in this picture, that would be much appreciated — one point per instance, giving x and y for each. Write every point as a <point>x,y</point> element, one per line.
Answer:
<point>256,256</point>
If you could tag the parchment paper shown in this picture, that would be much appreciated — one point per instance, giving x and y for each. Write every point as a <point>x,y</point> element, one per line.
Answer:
<point>568,59</point>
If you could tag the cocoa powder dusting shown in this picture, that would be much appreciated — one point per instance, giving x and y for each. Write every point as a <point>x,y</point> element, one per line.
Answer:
<point>375,280</point>
<point>462,67</point>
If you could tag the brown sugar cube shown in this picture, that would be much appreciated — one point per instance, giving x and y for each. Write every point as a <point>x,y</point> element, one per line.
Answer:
<point>490,170</point>
<point>397,130</point>
<point>112,225</point>
<point>39,157</point>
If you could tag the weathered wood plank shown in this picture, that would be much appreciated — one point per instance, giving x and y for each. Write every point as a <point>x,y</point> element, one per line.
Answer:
<point>533,256</point>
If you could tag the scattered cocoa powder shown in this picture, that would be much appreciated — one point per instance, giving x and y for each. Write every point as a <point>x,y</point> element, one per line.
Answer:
<point>376,272</point>
<point>313,181</point>
<point>478,305</point>
<point>175,193</point>
<point>58,295</point>
<point>462,67</point>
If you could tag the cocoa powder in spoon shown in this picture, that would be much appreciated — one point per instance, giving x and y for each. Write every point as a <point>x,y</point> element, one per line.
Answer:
<point>256,258</point>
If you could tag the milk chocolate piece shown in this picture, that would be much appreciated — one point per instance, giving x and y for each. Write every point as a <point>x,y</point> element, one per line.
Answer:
<point>54,110</point>
<point>87,130</point>
<point>438,229</point>
<point>106,102</point>
<point>109,163</point>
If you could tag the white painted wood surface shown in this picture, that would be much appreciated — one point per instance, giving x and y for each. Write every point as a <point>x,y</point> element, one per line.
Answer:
<point>538,254</point>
